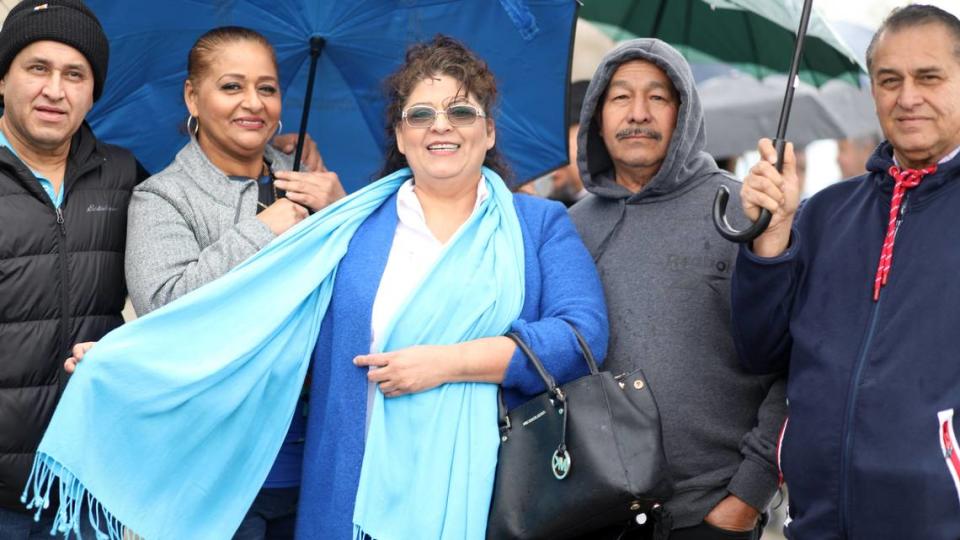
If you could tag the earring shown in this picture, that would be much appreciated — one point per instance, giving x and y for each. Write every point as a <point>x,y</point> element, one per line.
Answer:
<point>279,128</point>
<point>195,130</point>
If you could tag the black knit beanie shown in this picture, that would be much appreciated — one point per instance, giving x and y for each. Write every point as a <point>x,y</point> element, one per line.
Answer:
<point>66,21</point>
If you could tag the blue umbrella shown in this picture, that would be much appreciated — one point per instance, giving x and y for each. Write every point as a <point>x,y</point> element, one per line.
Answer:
<point>527,44</point>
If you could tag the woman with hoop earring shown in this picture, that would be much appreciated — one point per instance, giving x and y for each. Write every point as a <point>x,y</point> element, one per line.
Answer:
<point>226,195</point>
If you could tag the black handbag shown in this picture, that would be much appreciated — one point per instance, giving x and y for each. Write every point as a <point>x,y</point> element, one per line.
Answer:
<point>578,457</point>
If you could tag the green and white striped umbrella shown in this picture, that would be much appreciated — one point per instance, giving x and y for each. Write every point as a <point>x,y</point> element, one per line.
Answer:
<point>755,36</point>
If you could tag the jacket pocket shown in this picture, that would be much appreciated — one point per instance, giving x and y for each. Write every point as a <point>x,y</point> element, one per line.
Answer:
<point>948,444</point>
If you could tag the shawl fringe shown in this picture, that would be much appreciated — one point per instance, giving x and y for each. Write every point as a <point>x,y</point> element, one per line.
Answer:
<point>36,495</point>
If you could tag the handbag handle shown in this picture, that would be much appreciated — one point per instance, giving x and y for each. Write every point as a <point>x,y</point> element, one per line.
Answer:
<point>537,364</point>
<point>560,458</point>
<point>548,379</point>
<point>585,349</point>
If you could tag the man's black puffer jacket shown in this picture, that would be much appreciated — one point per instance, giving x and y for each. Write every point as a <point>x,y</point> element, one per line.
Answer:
<point>61,282</point>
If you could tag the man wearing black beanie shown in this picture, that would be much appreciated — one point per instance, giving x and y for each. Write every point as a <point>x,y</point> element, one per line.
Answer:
<point>63,216</point>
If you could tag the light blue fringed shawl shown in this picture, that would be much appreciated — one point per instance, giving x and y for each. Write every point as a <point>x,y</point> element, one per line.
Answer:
<point>172,422</point>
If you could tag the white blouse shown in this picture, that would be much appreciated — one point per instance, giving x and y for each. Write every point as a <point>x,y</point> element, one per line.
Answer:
<point>412,255</point>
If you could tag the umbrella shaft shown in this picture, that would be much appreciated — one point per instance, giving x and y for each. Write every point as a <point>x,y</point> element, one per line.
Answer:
<point>791,83</point>
<point>316,44</point>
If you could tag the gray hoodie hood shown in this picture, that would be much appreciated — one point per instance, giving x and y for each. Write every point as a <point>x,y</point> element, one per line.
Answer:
<point>685,160</point>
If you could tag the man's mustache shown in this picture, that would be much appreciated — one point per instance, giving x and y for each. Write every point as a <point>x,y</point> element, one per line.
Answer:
<point>635,131</point>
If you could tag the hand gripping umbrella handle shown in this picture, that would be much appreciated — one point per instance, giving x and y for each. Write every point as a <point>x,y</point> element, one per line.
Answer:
<point>720,209</point>
<point>724,227</point>
<point>723,194</point>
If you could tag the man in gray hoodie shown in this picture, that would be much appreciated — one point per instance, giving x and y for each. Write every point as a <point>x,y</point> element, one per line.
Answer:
<point>666,273</point>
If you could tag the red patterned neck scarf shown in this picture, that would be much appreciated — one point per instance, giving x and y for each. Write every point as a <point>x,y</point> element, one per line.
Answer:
<point>905,179</point>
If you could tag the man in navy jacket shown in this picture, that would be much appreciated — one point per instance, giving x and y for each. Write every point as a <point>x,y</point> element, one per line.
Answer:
<point>856,296</point>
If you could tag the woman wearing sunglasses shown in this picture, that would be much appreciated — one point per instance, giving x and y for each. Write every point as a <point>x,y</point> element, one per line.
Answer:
<point>402,442</point>
<point>413,282</point>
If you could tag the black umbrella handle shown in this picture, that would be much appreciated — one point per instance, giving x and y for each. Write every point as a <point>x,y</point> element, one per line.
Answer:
<point>720,209</point>
<point>726,230</point>
<point>723,194</point>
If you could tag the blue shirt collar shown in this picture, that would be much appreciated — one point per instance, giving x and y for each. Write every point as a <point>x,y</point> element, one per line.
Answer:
<point>46,184</point>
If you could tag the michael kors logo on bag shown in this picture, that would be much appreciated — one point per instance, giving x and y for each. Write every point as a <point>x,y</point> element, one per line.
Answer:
<point>560,463</point>
<point>534,418</point>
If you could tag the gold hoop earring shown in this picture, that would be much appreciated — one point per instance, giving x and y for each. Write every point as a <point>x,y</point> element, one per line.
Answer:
<point>195,130</point>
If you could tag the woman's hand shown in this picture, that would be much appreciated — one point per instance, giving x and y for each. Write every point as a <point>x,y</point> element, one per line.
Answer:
<point>80,349</point>
<point>314,190</point>
<point>410,370</point>
<point>423,367</point>
<point>282,215</point>
<point>311,160</point>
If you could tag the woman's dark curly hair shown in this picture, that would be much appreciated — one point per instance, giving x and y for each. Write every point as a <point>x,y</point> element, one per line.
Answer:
<point>441,56</point>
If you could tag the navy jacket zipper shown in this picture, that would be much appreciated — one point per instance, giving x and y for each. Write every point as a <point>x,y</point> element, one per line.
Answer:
<point>853,391</point>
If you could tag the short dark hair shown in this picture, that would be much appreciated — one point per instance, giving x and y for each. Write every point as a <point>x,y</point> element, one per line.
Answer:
<point>442,55</point>
<point>912,16</point>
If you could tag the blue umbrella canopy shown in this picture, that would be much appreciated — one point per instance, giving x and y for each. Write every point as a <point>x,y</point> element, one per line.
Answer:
<point>527,44</point>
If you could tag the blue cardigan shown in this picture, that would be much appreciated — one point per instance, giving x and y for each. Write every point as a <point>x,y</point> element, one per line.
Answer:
<point>561,285</point>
